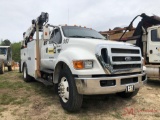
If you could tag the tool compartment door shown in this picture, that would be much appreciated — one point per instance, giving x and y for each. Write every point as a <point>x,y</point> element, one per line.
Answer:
<point>31,58</point>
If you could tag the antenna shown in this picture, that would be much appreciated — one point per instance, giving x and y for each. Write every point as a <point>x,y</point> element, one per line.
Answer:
<point>68,12</point>
<point>68,17</point>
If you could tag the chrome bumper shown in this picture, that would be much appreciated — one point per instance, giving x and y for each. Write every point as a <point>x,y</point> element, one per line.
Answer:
<point>92,86</point>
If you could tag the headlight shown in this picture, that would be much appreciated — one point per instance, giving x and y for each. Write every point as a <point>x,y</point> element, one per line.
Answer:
<point>83,64</point>
<point>88,64</point>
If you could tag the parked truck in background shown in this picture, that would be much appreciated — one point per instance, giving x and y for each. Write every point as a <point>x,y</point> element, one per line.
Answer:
<point>147,36</point>
<point>79,61</point>
<point>5,58</point>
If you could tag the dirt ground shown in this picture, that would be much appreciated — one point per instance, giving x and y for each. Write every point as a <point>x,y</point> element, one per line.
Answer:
<point>35,101</point>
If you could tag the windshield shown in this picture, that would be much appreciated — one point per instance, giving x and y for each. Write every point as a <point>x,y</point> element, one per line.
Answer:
<point>79,32</point>
<point>3,50</point>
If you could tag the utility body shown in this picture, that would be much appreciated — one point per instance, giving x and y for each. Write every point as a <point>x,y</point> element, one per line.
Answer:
<point>79,61</point>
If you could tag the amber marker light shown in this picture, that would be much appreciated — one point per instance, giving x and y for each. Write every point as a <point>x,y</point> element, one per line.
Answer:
<point>143,61</point>
<point>78,64</point>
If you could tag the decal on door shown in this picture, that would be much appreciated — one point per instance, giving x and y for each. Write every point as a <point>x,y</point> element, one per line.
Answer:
<point>65,41</point>
<point>50,50</point>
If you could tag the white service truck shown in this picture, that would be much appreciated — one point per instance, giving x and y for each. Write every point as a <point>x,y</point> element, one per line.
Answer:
<point>79,61</point>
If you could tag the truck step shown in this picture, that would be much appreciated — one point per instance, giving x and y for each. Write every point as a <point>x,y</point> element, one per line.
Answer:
<point>48,71</point>
<point>44,81</point>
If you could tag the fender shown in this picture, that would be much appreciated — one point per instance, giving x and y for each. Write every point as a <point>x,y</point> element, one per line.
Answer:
<point>72,53</point>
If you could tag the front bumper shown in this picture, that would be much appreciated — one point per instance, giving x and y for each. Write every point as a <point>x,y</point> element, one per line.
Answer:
<point>93,86</point>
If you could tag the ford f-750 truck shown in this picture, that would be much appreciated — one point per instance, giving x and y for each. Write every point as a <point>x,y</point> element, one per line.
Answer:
<point>79,61</point>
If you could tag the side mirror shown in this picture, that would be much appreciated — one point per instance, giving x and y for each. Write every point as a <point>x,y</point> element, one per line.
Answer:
<point>46,35</point>
<point>158,32</point>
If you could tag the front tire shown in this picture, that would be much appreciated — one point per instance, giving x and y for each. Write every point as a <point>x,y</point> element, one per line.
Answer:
<point>26,77</point>
<point>20,71</point>
<point>70,99</point>
<point>128,95</point>
<point>2,67</point>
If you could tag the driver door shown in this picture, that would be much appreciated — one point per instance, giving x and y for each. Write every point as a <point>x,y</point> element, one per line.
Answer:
<point>50,49</point>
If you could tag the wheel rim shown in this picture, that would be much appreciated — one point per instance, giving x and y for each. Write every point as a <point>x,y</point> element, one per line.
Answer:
<point>24,73</point>
<point>63,89</point>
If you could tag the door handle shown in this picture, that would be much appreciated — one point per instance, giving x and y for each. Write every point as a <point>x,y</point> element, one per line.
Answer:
<point>46,50</point>
<point>151,51</point>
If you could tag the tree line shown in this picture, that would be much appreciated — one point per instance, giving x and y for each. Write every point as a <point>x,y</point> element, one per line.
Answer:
<point>15,48</point>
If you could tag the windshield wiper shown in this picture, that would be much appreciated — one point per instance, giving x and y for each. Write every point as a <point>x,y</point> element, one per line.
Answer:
<point>93,37</point>
<point>77,36</point>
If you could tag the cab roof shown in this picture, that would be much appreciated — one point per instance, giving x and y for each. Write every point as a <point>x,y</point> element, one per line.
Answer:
<point>4,46</point>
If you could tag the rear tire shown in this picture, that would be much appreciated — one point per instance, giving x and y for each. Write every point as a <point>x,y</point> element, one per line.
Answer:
<point>9,68</point>
<point>2,67</point>
<point>128,95</point>
<point>20,71</point>
<point>70,99</point>
<point>26,77</point>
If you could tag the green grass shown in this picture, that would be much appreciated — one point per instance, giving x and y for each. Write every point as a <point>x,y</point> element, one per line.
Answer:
<point>2,109</point>
<point>117,115</point>
<point>12,90</point>
<point>20,91</point>
<point>35,99</point>
<point>20,101</point>
<point>12,85</point>
<point>6,99</point>
<point>43,90</point>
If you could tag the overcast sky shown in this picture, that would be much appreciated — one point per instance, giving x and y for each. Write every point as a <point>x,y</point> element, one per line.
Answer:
<point>16,15</point>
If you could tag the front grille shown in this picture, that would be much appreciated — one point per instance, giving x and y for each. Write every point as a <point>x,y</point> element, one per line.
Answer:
<point>124,51</point>
<point>120,59</point>
<point>125,60</point>
<point>126,66</point>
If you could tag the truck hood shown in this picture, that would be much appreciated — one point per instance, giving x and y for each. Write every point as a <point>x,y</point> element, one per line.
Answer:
<point>92,45</point>
<point>95,41</point>
<point>87,43</point>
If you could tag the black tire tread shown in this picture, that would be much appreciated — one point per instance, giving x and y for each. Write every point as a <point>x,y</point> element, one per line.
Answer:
<point>9,68</point>
<point>76,99</point>
<point>28,77</point>
<point>1,69</point>
<point>20,71</point>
